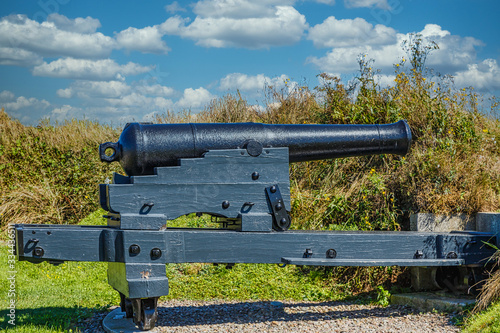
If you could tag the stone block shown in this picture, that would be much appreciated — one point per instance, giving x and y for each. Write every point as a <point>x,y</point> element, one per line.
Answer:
<point>433,301</point>
<point>424,278</point>
<point>489,222</point>
<point>441,223</point>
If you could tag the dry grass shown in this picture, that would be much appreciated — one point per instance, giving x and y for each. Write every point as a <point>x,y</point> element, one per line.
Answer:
<point>490,291</point>
<point>34,204</point>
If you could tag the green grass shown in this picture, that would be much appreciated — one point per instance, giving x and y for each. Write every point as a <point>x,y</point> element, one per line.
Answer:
<point>487,321</point>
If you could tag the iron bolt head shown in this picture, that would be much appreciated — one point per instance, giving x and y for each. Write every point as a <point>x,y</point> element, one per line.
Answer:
<point>273,189</point>
<point>155,253</point>
<point>255,175</point>
<point>38,251</point>
<point>134,249</point>
<point>452,255</point>
<point>331,253</point>
<point>278,206</point>
<point>225,204</point>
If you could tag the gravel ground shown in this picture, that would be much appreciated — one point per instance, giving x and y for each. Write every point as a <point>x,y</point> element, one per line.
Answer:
<point>233,316</point>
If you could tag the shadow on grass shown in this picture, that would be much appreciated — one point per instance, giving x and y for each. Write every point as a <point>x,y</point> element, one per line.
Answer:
<point>53,318</point>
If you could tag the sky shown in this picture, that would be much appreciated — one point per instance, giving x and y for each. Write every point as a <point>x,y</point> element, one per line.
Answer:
<point>122,61</point>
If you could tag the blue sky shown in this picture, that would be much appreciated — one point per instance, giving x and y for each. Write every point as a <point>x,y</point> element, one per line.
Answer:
<point>120,61</point>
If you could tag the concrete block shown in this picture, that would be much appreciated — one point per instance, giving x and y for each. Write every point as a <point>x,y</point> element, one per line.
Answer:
<point>489,222</point>
<point>424,278</point>
<point>432,301</point>
<point>441,223</point>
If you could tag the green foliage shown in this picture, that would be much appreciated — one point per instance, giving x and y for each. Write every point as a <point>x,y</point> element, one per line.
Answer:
<point>383,296</point>
<point>50,173</point>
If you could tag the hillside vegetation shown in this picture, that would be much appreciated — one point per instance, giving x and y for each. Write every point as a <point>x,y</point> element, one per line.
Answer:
<point>50,173</point>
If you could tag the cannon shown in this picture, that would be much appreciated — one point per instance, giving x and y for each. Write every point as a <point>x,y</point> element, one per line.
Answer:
<point>239,174</point>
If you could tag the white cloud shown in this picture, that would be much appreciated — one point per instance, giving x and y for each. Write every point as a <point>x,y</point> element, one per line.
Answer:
<point>64,112</point>
<point>247,83</point>
<point>284,27</point>
<point>80,25</point>
<point>367,3</point>
<point>47,40</point>
<point>154,90</point>
<point>28,110</point>
<point>106,69</point>
<point>385,80</point>
<point>195,98</point>
<point>147,40</point>
<point>174,7</point>
<point>7,96</point>
<point>238,9</point>
<point>484,76</point>
<point>18,57</point>
<point>347,33</point>
<point>454,53</point>
<point>95,89</point>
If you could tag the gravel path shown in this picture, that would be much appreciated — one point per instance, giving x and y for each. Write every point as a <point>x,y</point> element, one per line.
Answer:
<point>233,316</point>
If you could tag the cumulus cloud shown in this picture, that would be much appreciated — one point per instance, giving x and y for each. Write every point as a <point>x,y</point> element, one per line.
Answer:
<point>174,7</point>
<point>46,39</point>
<point>238,9</point>
<point>246,83</point>
<point>484,76</point>
<point>348,33</point>
<point>154,90</point>
<point>28,110</point>
<point>195,98</point>
<point>454,53</point>
<point>276,26</point>
<point>367,3</point>
<point>95,89</point>
<point>6,96</point>
<point>83,69</point>
<point>147,40</point>
<point>18,57</point>
<point>80,25</point>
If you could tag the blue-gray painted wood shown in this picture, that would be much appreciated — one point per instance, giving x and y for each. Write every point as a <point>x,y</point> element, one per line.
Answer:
<point>228,246</point>
<point>138,280</point>
<point>201,185</point>
<point>373,262</point>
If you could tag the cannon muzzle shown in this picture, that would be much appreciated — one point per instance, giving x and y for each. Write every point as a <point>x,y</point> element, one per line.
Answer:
<point>142,147</point>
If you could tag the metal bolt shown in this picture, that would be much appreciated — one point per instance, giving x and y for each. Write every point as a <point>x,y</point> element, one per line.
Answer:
<point>452,255</point>
<point>308,253</point>
<point>225,204</point>
<point>283,222</point>
<point>279,206</point>
<point>38,251</point>
<point>155,253</point>
<point>255,175</point>
<point>134,249</point>
<point>273,189</point>
<point>331,253</point>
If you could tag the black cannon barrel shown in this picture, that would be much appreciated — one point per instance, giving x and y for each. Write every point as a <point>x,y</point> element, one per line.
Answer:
<point>142,147</point>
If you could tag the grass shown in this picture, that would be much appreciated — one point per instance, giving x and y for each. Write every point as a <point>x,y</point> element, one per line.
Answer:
<point>487,321</point>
